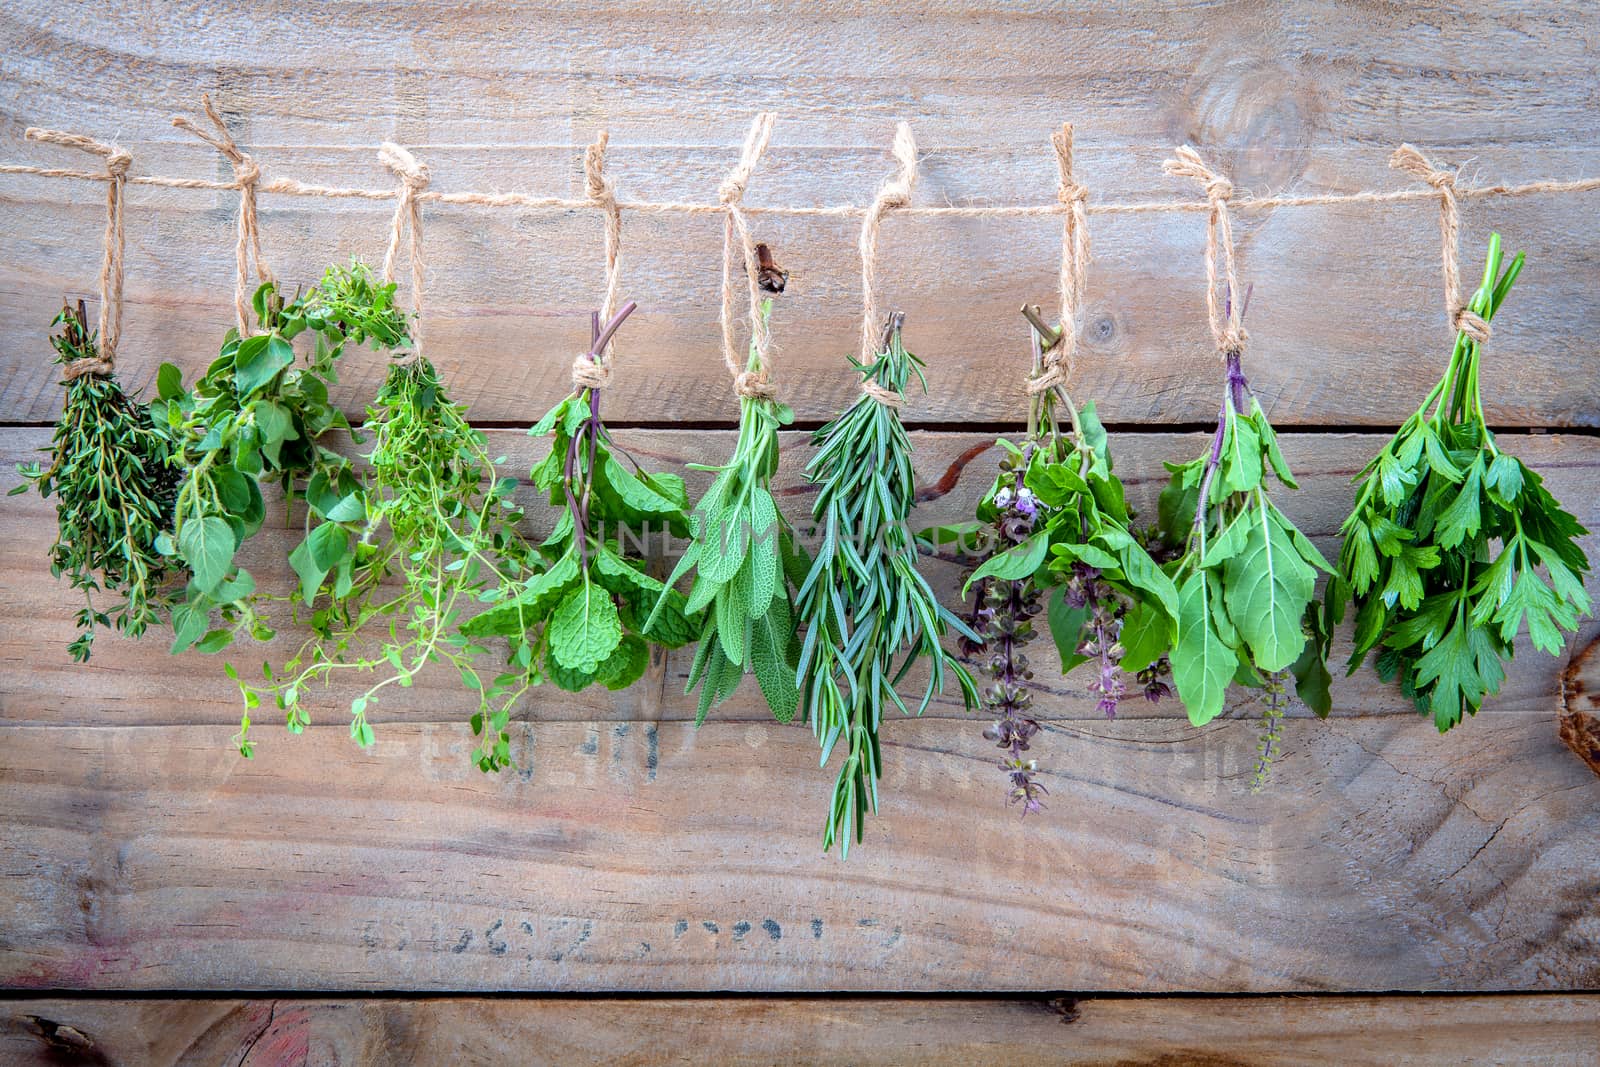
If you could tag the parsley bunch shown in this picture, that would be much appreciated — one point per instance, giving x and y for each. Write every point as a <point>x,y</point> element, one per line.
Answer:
<point>1247,576</point>
<point>256,416</point>
<point>434,521</point>
<point>745,563</point>
<point>1442,551</point>
<point>863,601</point>
<point>113,489</point>
<point>591,615</point>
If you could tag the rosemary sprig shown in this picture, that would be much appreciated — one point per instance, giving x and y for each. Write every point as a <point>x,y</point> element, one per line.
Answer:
<point>863,601</point>
<point>110,476</point>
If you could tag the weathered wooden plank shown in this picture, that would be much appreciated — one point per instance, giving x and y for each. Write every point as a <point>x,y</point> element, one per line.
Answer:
<point>131,683</point>
<point>1340,1031</point>
<point>1346,324</point>
<point>658,857</point>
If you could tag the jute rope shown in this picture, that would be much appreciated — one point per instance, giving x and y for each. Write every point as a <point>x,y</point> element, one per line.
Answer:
<point>407,212</point>
<point>1074,267</point>
<point>895,194</point>
<point>115,177</point>
<point>1225,325</point>
<point>246,178</point>
<point>731,195</point>
<point>593,370</point>
<point>1462,318</point>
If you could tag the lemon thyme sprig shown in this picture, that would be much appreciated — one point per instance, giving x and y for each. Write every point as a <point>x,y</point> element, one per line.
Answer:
<point>110,477</point>
<point>1434,598</point>
<point>436,533</point>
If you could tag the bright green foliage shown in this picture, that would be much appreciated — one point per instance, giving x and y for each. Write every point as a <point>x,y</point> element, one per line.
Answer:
<point>745,564</point>
<point>110,476</point>
<point>1246,581</point>
<point>433,532</point>
<point>256,416</point>
<point>863,601</point>
<point>1442,552</point>
<point>591,614</point>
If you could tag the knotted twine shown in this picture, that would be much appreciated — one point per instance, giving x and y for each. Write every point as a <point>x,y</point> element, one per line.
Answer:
<point>1074,267</point>
<point>407,210</point>
<point>895,193</point>
<point>593,371</point>
<point>117,164</point>
<point>1226,328</point>
<point>1462,318</point>
<point>730,194</point>
<point>246,178</point>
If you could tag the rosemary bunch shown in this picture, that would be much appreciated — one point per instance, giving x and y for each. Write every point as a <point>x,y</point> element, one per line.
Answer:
<point>437,534</point>
<point>256,416</point>
<point>1434,596</point>
<point>113,489</point>
<point>863,601</point>
<point>591,615</point>
<point>745,563</point>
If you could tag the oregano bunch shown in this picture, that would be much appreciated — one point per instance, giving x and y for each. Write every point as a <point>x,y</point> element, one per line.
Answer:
<point>1247,577</point>
<point>863,601</point>
<point>257,416</point>
<point>437,534</point>
<point>590,616</point>
<point>110,476</point>
<point>745,563</point>
<point>1443,549</point>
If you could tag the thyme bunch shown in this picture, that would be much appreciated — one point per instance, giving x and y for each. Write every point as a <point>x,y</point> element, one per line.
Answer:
<point>438,534</point>
<point>863,601</point>
<point>113,488</point>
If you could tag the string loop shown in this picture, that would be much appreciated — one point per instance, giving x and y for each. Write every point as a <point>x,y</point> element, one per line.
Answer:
<point>730,194</point>
<point>247,179</point>
<point>1462,318</point>
<point>895,193</point>
<point>1226,328</point>
<point>117,162</point>
<point>414,178</point>
<point>1074,268</point>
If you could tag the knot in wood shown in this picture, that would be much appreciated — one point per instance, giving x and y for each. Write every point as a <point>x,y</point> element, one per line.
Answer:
<point>590,373</point>
<point>1468,322</point>
<point>754,386</point>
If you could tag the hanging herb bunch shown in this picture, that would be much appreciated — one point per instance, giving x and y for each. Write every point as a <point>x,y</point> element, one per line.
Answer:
<point>110,477</point>
<point>256,416</point>
<point>430,517</point>
<point>591,615</point>
<point>863,602</point>
<point>745,564</point>
<point>1433,597</point>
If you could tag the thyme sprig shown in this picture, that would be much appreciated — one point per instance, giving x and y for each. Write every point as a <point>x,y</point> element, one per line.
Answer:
<point>1435,599</point>
<point>437,535</point>
<point>110,477</point>
<point>863,601</point>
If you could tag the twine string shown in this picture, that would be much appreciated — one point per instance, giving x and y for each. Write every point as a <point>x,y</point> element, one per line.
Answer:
<point>1074,267</point>
<point>1462,318</point>
<point>731,196</point>
<point>592,369</point>
<point>117,163</point>
<point>407,212</point>
<point>1226,328</point>
<point>894,194</point>
<point>247,179</point>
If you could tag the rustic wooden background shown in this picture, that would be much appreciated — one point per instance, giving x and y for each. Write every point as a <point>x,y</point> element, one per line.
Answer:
<point>634,854</point>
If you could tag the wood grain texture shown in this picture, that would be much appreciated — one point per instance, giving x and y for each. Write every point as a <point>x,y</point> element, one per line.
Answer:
<point>1345,318</point>
<point>1338,1031</point>
<point>132,683</point>
<point>660,857</point>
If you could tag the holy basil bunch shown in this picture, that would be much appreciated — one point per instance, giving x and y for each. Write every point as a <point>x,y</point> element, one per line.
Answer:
<point>256,416</point>
<point>863,602</point>
<point>591,615</point>
<point>1247,577</point>
<point>113,486</point>
<point>745,563</point>
<point>1434,596</point>
<point>437,535</point>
